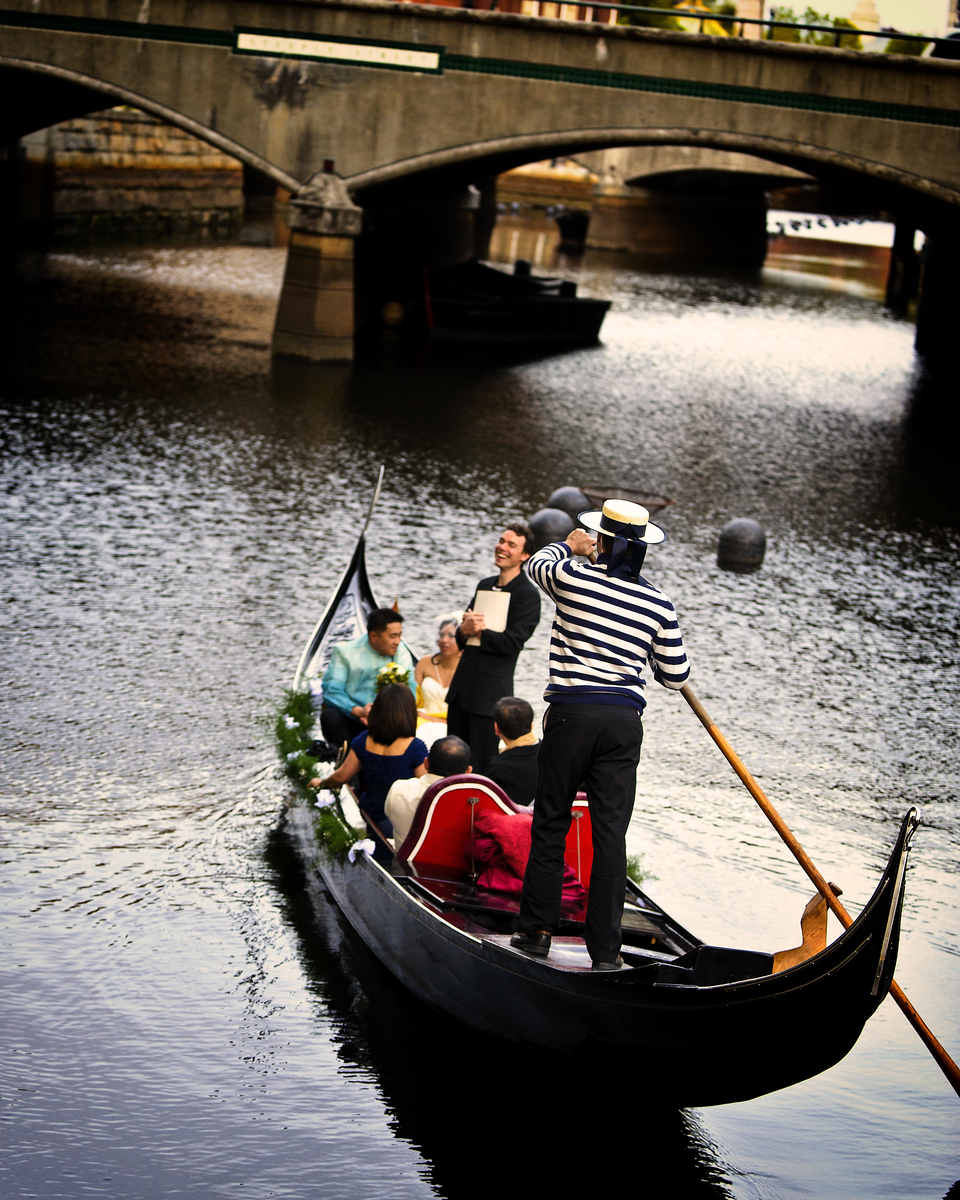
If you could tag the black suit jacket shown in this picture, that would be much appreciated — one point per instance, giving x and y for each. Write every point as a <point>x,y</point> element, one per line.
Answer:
<point>516,772</point>
<point>485,672</point>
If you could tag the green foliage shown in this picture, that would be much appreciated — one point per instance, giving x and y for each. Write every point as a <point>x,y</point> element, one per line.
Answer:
<point>904,46</point>
<point>637,872</point>
<point>294,732</point>
<point>334,834</point>
<point>814,37</point>
<point>651,20</point>
<point>727,9</point>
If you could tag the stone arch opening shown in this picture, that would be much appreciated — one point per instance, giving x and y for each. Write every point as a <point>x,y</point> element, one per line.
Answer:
<point>932,206</point>
<point>35,95</point>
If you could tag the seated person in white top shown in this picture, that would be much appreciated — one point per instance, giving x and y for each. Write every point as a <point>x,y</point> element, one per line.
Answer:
<point>448,756</point>
<point>433,675</point>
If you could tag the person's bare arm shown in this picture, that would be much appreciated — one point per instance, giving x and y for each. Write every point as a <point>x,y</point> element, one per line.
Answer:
<point>343,774</point>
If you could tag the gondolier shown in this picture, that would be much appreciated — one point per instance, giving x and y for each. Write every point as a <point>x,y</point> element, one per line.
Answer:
<point>610,623</point>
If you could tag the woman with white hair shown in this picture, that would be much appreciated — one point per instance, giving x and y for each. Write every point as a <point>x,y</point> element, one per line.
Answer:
<point>433,675</point>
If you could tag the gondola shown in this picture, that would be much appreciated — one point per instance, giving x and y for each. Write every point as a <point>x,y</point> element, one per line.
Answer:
<point>707,1024</point>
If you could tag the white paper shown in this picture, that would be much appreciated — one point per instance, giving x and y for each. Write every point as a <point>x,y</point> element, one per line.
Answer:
<point>494,606</point>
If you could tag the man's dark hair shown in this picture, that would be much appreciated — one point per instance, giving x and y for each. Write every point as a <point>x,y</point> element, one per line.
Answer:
<point>449,756</point>
<point>524,531</point>
<point>380,618</point>
<point>514,717</point>
<point>392,715</point>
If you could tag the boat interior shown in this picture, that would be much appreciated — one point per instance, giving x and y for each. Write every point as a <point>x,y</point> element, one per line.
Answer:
<point>434,865</point>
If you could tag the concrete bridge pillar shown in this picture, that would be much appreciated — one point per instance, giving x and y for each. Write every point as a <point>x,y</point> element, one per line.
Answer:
<point>904,269</point>
<point>315,315</point>
<point>725,226</point>
<point>938,305</point>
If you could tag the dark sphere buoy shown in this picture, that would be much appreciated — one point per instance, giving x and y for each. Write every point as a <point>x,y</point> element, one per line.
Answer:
<point>570,500</point>
<point>550,525</point>
<point>742,545</point>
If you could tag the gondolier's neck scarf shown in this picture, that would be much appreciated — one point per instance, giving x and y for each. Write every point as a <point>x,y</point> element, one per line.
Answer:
<point>625,560</point>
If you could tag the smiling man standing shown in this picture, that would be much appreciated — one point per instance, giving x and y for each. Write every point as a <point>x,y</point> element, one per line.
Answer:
<point>485,672</point>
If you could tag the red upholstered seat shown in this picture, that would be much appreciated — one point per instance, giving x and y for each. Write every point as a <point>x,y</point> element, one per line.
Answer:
<point>579,851</point>
<point>441,829</point>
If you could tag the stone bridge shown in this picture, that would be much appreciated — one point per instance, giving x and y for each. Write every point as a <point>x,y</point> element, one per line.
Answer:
<point>414,103</point>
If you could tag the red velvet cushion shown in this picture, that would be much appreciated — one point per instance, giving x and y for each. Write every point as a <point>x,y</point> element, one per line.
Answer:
<point>512,835</point>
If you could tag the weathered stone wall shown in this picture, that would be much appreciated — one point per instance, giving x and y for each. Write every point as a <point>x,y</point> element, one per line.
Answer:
<point>123,171</point>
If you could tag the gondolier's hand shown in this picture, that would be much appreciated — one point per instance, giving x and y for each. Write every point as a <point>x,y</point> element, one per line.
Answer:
<point>473,623</point>
<point>580,542</point>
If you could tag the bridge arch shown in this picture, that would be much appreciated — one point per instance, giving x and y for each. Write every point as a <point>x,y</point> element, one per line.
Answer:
<point>928,202</point>
<point>62,94</point>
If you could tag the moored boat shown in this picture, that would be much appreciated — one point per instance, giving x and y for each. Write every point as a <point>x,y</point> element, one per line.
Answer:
<point>473,302</point>
<point>716,1024</point>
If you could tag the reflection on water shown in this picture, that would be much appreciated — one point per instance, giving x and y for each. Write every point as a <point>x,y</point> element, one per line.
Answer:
<point>483,1113</point>
<point>174,514</point>
<point>849,269</point>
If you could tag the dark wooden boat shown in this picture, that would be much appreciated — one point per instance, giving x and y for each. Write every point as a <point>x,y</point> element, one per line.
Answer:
<point>472,302</point>
<point>597,494</point>
<point>708,1024</point>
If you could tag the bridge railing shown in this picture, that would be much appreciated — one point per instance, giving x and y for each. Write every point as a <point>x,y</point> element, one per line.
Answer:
<point>837,32</point>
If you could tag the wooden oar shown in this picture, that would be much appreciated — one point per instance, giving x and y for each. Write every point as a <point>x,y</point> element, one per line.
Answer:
<point>943,1059</point>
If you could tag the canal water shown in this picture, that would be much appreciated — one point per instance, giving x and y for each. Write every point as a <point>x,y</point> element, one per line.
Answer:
<point>178,1020</point>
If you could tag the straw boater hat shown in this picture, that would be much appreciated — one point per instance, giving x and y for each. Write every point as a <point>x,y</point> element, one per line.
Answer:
<point>621,518</point>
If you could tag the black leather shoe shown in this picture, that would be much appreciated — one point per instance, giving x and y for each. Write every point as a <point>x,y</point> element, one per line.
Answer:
<point>599,965</point>
<point>537,944</point>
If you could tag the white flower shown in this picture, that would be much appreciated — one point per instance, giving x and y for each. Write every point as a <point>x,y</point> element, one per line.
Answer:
<point>290,722</point>
<point>293,755</point>
<point>367,846</point>
<point>323,802</point>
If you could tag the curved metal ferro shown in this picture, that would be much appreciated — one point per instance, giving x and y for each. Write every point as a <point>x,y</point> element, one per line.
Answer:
<point>911,821</point>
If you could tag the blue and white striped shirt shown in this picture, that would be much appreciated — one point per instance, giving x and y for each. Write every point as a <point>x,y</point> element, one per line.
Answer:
<point>605,631</point>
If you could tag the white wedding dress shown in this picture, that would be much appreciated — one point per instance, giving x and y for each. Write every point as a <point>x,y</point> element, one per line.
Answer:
<point>433,700</point>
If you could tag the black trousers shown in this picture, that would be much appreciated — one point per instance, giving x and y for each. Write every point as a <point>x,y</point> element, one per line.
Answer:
<point>477,731</point>
<point>339,726</point>
<point>598,745</point>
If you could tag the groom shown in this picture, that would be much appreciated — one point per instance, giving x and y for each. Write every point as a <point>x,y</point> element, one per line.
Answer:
<point>485,672</point>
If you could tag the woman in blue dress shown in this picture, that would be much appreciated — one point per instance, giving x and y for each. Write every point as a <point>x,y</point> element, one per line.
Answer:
<point>386,752</point>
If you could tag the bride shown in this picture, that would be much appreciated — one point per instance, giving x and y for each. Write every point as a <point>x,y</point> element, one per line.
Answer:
<point>433,674</point>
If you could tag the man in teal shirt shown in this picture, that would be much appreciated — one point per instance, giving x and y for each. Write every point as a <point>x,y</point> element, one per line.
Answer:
<point>350,680</point>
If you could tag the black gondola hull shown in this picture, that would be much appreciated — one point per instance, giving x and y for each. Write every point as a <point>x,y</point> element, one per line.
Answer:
<point>707,1045</point>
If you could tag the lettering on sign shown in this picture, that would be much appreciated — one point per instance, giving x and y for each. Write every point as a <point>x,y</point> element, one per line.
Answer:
<point>394,56</point>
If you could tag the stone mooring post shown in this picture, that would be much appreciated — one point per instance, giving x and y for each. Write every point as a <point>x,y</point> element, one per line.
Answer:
<point>315,315</point>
